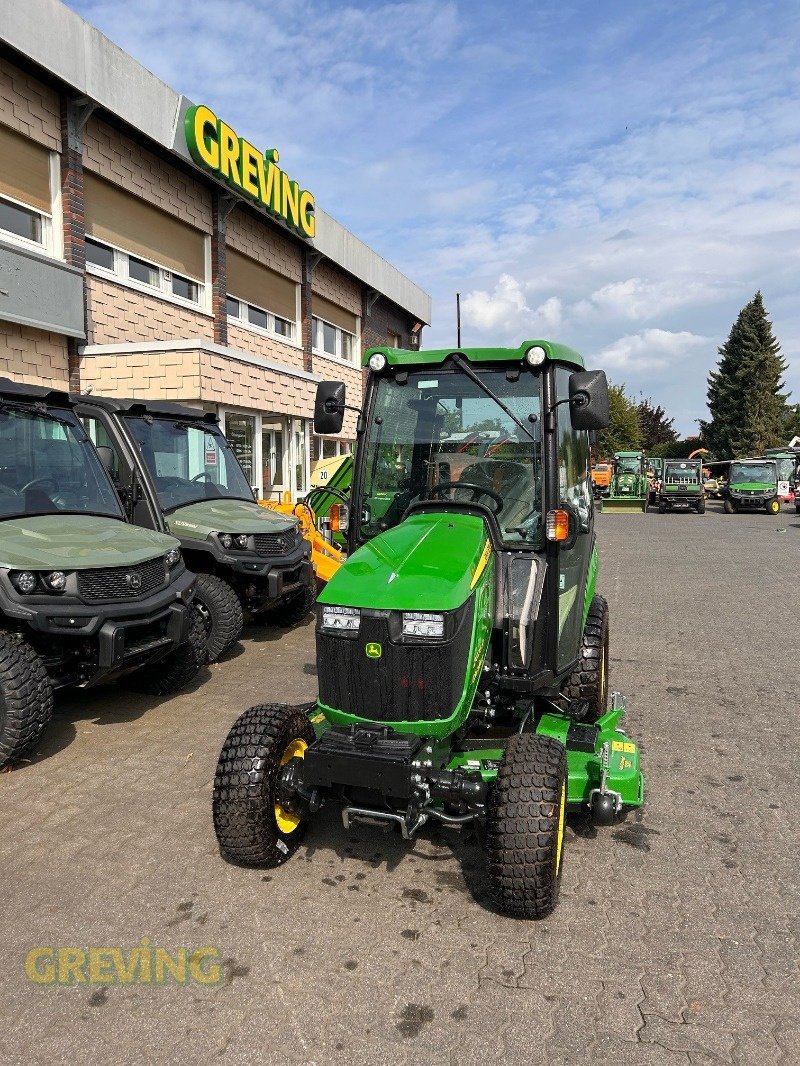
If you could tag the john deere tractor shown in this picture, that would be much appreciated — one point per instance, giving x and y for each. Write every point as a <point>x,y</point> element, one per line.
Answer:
<point>630,487</point>
<point>462,647</point>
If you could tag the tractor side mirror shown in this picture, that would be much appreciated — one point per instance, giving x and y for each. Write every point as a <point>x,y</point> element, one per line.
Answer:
<point>588,399</point>
<point>329,407</point>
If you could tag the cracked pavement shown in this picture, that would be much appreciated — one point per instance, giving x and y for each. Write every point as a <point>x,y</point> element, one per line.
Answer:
<point>675,940</point>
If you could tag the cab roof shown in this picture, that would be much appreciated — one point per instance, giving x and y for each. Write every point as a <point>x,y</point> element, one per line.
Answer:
<point>20,393</point>
<point>404,357</point>
<point>157,408</point>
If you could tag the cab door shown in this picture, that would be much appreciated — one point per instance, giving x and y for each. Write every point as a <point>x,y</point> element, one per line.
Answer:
<point>116,458</point>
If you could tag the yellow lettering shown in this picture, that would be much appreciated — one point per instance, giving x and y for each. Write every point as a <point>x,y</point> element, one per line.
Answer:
<point>101,966</point>
<point>262,181</point>
<point>70,966</point>
<point>250,159</point>
<point>272,200</point>
<point>35,973</point>
<point>177,967</point>
<point>125,973</point>
<point>229,154</point>
<point>290,201</point>
<point>210,974</point>
<point>145,954</point>
<point>205,136</point>
<point>308,220</point>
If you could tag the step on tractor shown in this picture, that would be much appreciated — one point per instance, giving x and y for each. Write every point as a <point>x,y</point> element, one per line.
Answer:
<point>682,486</point>
<point>752,486</point>
<point>462,647</point>
<point>84,596</point>
<point>630,487</point>
<point>175,472</point>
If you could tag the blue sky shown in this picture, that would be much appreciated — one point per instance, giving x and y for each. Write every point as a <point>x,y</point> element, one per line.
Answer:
<point>619,176</point>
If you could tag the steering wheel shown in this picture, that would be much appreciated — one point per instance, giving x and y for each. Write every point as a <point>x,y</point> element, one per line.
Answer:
<point>203,473</point>
<point>37,481</point>
<point>476,490</point>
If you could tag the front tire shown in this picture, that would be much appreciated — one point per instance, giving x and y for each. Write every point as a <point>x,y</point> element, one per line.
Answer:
<point>26,698</point>
<point>177,668</point>
<point>221,612</point>
<point>701,507</point>
<point>588,682</point>
<point>525,826</point>
<point>252,828</point>
<point>773,506</point>
<point>728,507</point>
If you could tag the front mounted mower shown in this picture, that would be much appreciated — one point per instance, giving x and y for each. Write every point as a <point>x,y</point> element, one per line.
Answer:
<point>462,648</point>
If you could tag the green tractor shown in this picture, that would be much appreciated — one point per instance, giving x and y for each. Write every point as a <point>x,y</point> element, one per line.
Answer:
<point>752,486</point>
<point>630,486</point>
<point>682,486</point>
<point>462,648</point>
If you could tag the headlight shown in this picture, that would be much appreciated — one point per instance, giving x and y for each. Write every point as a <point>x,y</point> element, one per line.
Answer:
<point>226,540</point>
<point>347,618</point>
<point>377,362</point>
<point>241,540</point>
<point>416,624</point>
<point>57,581</point>
<point>25,581</point>
<point>173,557</point>
<point>535,356</point>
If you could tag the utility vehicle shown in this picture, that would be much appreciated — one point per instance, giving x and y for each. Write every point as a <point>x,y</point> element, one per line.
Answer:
<point>601,479</point>
<point>682,487</point>
<point>84,596</point>
<point>462,647</point>
<point>788,463</point>
<point>752,486</point>
<point>630,488</point>
<point>176,472</point>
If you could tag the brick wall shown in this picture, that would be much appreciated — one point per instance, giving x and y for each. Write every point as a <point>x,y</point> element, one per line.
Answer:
<point>227,381</point>
<point>250,236</point>
<point>115,157</point>
<point>334,285</point>
<point>33,356</point>
<point>116,314</point>
<point>384,318</point>
<point>29,107</point>
<point>244,340</point>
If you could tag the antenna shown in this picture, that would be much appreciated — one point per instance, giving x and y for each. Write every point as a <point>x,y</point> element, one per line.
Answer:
<point>458,319</point>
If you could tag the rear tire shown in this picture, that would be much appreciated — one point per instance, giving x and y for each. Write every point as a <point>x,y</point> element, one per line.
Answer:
<point>246,816</point>
<point>177,668</point>
<point>728,507</point>
<point>525,826</point>
<point>293,611</point>
<point>588,682</point>
<point>26,698</point>
<point>221,613</point>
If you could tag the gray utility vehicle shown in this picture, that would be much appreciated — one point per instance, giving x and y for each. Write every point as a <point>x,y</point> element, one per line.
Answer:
<point>176,472</point>
<point>682,486</point>
<point>84,596</point>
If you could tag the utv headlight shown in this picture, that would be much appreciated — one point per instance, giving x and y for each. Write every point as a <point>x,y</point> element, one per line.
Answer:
<point>57,581</point>
<point>173,557</point>
<point>342,618</point>
<point>417,624</point>
<point>241,540</point>
<point>25,582</point>
<point>226,540</point>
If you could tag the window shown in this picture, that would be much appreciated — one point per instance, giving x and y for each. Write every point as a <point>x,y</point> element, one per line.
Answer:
<point>139,270</point>
<point>25,196</point>
<point>241,431</point>
<point>20,221</point>
<point>334,330</point>
<point>394,340</point>
<point>233,308</point>
<point>99,254</point>
<point>272,449</point>
<point>126,267</point>
<point>185,288</point>
<point>272,472</point>
<point>259,298</point>
<point>257,317</point>
<point>329,448</point>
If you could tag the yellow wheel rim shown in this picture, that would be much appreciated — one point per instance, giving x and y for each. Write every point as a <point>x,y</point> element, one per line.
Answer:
<point>560,835</point>
<point>774,507</point>
<point>288,821</point>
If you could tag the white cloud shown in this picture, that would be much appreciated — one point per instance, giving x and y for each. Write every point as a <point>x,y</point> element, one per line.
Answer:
<point>505,312</point>
<point>649,349</point>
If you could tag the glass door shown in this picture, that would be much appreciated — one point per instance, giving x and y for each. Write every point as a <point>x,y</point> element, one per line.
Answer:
<point>273,455</point>
<point>241,433</point>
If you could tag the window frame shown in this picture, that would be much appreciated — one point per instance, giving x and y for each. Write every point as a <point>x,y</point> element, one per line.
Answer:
<point>163,291</point>
<point>45,246</point>
<point>289,458</point>
<point>263,331</point>
<point>336,357</point>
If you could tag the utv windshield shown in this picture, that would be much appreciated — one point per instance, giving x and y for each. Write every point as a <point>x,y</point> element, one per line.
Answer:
<point>760,473</point>
<point>49,466</point>
<point>189,463</point>
<point>682,474</point>
<point>440,436</point>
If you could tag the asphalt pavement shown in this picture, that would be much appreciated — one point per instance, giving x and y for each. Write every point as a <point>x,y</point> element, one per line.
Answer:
<point>675,940</point>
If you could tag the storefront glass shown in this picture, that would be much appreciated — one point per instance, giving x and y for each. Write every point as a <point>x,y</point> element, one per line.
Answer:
<point>241,431</point>
<point>272,456</point>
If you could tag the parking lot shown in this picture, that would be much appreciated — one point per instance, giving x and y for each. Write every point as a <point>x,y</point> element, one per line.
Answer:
<point>676,938</point>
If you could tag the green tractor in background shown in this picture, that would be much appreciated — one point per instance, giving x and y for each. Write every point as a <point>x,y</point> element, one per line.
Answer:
<point>630,486</point>
<point>462,648</point>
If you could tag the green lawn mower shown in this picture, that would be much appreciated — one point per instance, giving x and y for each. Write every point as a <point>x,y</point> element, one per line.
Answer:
<point>630,486</point>
<point>462,649</point>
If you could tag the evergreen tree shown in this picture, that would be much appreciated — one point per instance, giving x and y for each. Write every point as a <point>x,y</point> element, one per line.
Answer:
<point>656,427</point>
<point>747,407</point>
<point>624,433</point>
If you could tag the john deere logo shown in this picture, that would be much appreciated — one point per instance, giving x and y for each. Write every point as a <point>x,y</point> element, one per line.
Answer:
<point>134,580</point>
<point>373,650</point>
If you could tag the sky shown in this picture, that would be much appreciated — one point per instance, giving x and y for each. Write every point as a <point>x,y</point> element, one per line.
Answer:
<point>619,176</point>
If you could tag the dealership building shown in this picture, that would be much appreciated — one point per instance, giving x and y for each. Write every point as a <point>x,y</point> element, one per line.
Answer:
<point>149,250</point>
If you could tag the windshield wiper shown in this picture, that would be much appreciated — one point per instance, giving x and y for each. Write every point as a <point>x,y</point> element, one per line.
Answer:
<point>467,369</point>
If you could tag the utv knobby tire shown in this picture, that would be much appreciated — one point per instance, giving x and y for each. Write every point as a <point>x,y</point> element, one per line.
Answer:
<point>244,785</point>
<point>701,507</point>
<point>662,508</point>
<point>292,611</point>
<point>26,698</point>
<point>727,507</point>
<point>177,668</point>
<point>525,826</point>
<point>222,614</point>
<point>588,681</point>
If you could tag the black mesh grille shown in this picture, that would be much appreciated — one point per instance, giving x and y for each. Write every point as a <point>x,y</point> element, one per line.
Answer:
<point>408,683</point>
<point>274,543</point>
<point>122,582</point>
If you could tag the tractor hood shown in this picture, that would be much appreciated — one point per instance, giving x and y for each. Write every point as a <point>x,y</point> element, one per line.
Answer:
<point>77,542</point>
<point>430,562</point>
<point>196,520</point>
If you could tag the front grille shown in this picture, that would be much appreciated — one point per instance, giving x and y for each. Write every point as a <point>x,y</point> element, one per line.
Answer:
<point>122,582</point>
<point>408,683</point>
<point>274,543</point>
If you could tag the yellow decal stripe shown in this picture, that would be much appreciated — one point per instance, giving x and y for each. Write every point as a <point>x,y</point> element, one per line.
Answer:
<point>484,559</point>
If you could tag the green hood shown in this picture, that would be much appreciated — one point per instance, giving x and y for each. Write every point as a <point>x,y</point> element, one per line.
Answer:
<point>752,486</point>
<point>196,520</point>
<point>77,542</point>
<point>430,562</point>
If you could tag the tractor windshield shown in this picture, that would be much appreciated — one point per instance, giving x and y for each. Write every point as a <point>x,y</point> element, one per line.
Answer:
<point>188,462</point>
<point>439,436</point>
<point>758,473</point>
<point>629,465</point>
